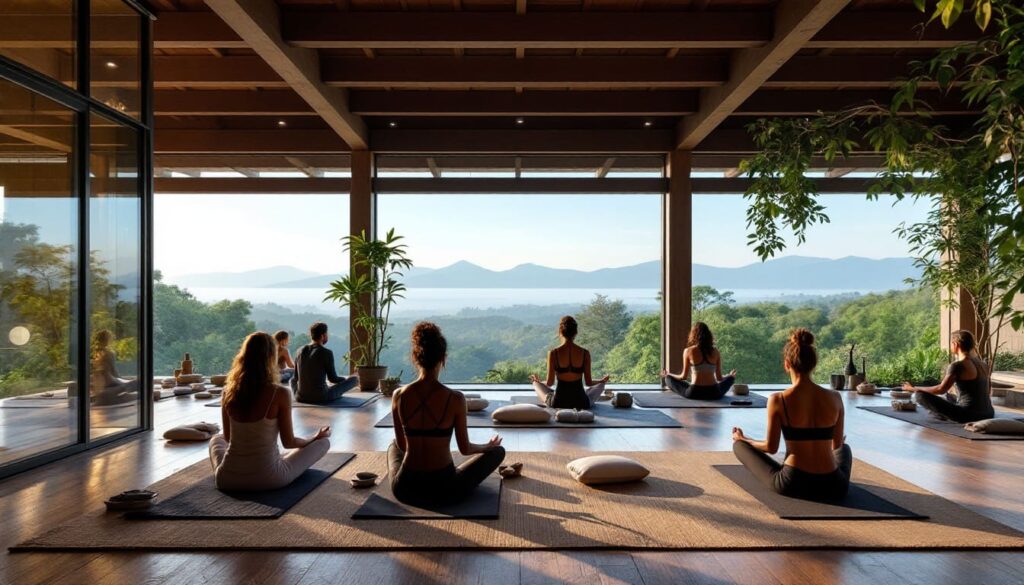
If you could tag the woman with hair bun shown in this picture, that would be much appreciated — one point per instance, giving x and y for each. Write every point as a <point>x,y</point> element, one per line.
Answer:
<point>970,374</point>
<point>575,388</point>
<point>426,413</point>
<point>703,362</point>
<point>810,418</point>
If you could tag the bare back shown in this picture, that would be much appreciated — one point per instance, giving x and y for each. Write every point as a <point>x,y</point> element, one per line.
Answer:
<point>426,412</point>
<point>808,406</point>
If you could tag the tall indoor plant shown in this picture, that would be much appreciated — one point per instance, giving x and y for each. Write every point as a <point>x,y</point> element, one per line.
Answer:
<point>370,289</point>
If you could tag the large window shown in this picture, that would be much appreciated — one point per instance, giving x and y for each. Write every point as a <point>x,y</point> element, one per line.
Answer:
<point>39,251</point>
<point>846,283</point>
<point>496,272</point>
<point>228,265</point>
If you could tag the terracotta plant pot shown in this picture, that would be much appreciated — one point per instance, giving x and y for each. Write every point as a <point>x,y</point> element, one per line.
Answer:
<point>370,377</point>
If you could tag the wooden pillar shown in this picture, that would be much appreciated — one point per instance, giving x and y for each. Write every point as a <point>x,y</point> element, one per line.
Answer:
<point>362,207</point>
<point>954,319</point>
<point>677,259</point>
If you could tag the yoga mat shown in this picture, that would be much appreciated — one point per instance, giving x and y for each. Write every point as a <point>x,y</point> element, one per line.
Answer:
<point>605,416</point>
<point>684,504</point>
<point>349,400</point>
<point>924,418</point>
<point>484,503</point>
<point>859,504</point>
<point>667,399</point>
<point>203,501</point>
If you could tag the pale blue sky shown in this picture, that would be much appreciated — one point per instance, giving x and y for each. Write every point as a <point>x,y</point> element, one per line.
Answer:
<point>208,233</point>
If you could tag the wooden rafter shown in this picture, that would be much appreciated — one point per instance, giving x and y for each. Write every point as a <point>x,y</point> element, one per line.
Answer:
<point>258,23</point>
<point>535,103</point>
<point>796,22</point>
<point>607,166</point>
<point>305,167</point>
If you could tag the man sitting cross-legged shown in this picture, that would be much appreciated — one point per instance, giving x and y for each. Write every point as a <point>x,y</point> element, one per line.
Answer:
<point>316,381</point>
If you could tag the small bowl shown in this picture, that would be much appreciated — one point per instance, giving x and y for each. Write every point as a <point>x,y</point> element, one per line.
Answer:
<point>867,389</point>
<point>740,389</point>
<point>218,380</point>
<point>903,406</point>
<point>366,475</point>
<point>362,483</point>
<point>900,394</point>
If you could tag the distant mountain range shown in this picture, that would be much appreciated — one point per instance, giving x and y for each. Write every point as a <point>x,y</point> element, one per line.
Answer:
<point>791,272</point>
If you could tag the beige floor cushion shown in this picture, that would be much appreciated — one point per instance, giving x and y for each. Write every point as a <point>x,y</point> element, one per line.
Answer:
<point>599,469</point>
<point>200,431</point>
<point>566,415</point>
<point>476,404</point>
<point>521,413</point>
<point>997,426</point>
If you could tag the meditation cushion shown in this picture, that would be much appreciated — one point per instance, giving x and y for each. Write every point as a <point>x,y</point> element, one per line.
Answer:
<point>476,404</point>
<point>200,431</point>
<point>521,413</point>
<point>997,426</point>
<point>203,394</point>
<point>183,390</point>
<point>598,469</point>
<point>622,400</point>
<point>169,383</point>
<point>566,415</point>
<point>466,395</point>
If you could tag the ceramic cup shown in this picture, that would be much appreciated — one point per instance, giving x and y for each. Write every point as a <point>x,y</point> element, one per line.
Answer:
<point>838,381</point>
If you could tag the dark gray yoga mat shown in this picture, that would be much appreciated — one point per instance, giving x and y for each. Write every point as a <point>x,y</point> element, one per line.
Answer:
<point>484,502</point>
<point>203,501</point>
<point>349,400</point>
<point>924,418</point>
<point>605,416</point>
<point>859,504</point>
<point>667,399</point>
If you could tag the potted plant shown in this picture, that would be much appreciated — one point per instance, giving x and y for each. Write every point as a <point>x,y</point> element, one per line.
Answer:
<point>370,289</point>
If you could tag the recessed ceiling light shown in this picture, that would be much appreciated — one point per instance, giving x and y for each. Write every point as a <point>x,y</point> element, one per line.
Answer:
<point>282,123</point>
<point>648,123</point>
<point>111,65</point>
<point>392,124</point>
<point>520,120</point>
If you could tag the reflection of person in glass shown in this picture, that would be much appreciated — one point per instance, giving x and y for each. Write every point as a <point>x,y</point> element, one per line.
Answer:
<point>105,385</point>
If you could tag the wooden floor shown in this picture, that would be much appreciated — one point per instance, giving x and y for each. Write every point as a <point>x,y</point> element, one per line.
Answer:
<point>986,476</point>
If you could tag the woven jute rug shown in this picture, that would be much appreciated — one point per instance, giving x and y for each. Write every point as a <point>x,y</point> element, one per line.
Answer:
<point>684,504</point>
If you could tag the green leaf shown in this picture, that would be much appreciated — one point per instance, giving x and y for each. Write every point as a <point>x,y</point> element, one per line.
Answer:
<point>983,13</point>
<point>920,5</point>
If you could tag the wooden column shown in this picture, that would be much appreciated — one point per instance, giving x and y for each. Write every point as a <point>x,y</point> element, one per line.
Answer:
<point>362,207</point>
<point>954,319</point>
<point>677,259</point>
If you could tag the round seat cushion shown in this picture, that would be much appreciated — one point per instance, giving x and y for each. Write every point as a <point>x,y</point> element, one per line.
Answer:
<point>601,469</point>
<point>476,404</point>
<point>622,400</point>
<point>521,413</point>
<point>200,431</point>
<point>566,415</point>
<point>203,394</point>
<point>182,390</point>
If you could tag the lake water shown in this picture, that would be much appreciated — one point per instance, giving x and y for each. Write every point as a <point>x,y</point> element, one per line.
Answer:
<point>451,300</point>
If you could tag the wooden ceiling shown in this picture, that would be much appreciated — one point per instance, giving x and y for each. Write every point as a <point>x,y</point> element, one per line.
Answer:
<point>310,77</point>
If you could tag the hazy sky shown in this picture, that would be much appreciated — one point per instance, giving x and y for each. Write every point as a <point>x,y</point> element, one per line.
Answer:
<point>211,233</point>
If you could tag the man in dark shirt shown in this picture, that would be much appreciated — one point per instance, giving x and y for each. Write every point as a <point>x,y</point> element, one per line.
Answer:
<point>316,380</point>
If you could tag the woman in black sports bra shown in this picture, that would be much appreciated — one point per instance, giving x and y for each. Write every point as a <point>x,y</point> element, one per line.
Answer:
<point>570,365</point>
<point>426,414</point>
<point>810,419</point>
<point>973,401</point>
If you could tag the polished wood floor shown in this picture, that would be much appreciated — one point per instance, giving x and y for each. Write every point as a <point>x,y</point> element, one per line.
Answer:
<point>986,476</point>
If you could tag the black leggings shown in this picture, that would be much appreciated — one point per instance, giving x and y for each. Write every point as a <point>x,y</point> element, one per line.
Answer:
<point>446,485</point>
<point>945,407</point>
<point>796,483</point>
<point>700,392</point>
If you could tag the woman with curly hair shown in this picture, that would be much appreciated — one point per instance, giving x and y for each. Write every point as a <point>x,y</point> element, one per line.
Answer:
<point>426,414</point>
<point>575,387</point>
<point>703,362</point>
<point>811,420</point>
<point>255,409</point>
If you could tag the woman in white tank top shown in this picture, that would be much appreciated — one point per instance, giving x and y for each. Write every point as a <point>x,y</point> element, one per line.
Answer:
<point>255,410</point>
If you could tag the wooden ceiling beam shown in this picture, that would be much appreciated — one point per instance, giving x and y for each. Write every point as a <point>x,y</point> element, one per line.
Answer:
<point>499,72</point>
<point>533,30</point>
<point>258,23</point>
<point>777,102</point>
<point>531,103</point>
<point>521,141</point>
<point>230,103</point>
<point>248,141</point>
<point>869,29</point>
<point>796,22</point>
<point>846,71</point>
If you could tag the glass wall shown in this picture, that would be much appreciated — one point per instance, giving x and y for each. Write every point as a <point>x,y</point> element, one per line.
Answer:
<point>846,283</point>
<point>498,271</point>
<point>73,208</point>
<point>115,280</point>
<point>38,279</point>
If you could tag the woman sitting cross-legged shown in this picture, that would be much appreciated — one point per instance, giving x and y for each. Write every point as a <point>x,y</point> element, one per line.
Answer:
<point>810,419</point>
<point>570,365</point>
<point>970,374</point>
<point>255,410</point>
<point>426,413</point>
<point>702,360</point>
